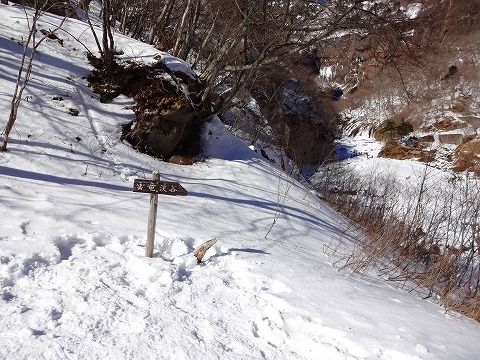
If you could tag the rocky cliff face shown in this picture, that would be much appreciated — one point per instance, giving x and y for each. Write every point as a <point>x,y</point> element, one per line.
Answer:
<point>435,88</point>
<point>305,132</point>
<point>284,122</point>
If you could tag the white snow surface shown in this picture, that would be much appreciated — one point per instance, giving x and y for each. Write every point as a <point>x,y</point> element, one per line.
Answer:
<point>74,281</point>
<point>413,10</point>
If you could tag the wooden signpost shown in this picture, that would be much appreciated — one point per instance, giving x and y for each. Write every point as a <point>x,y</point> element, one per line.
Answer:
<point>155,187</point>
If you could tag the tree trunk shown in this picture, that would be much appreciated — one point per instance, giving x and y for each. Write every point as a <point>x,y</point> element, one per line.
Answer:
<point>25,77</point>
<point>160,20</point>
<point>123,21</point>
<point>17,94</point>
<point>214,66</point>
<point>10,123</point>
<point>107,38</point>
<point>190,33</point>
<point>205,41</point>
<point>181,30</point>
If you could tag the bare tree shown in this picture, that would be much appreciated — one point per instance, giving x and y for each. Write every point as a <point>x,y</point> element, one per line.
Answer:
<point>157,26</point>
<point>263,33</point>
<point>108,43</point>
<point>231,40</point>
<point>30,47</point>
<point>186,29</point>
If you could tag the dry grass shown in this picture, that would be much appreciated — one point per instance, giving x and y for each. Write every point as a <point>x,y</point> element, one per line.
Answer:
<point>430,237</point>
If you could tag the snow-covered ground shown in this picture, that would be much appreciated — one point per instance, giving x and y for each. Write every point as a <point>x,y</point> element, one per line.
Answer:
<point>74,281</point>
<point>360,147</point>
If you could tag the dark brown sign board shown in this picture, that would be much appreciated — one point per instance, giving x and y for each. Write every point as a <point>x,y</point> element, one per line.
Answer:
<point>159,187</point>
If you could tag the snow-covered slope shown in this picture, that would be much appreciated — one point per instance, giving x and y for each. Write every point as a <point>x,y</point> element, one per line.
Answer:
<point>74,281</point>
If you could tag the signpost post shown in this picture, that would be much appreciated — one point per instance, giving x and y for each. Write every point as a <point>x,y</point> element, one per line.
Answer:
<point>155,187</point>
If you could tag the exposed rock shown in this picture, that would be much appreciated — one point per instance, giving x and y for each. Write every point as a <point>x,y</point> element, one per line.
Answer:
<point>280,114</point>
<point>394,150</point>
<point>455,139</point>
<point>437,92</point>
<point>467,157</point>
<point>449,123</point>
<point>182,160</point>
<point>307,136</point>
<point>426,138</point>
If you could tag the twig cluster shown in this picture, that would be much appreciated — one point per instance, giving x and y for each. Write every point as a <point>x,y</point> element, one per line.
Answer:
<point>423,232</point>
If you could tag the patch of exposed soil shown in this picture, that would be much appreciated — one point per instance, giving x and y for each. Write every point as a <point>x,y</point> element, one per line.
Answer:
<point>168,108</point>
<point>449,123</point>
<point>467,157</point>
<point>394,150</point>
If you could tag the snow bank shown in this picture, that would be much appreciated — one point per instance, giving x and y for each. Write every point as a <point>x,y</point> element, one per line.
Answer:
<point>74,282</point>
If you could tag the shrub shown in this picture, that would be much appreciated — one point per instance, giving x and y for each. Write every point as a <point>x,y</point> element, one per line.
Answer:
<point>426,232</point>
<point>396,130</point>
<point>452,70</point>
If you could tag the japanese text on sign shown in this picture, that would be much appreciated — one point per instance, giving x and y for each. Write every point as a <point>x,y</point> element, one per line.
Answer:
<point>158,187</point>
